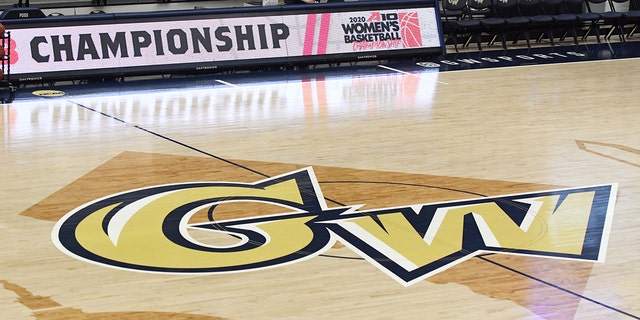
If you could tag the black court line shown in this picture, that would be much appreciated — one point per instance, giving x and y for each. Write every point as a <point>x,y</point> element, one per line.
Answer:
<point>606,306</point>
<point>168,139</point>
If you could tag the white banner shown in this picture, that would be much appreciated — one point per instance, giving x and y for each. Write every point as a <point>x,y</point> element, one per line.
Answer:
<point>207,41</point>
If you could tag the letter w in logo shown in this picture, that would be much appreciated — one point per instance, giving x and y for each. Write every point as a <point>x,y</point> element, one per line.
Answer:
<point>413,242</point>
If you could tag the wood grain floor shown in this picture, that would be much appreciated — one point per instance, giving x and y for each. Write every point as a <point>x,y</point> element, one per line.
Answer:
<point>389,140</point>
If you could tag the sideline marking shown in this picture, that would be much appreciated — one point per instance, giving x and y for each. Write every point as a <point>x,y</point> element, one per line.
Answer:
<point>228,83</point>
<point>407,73</point>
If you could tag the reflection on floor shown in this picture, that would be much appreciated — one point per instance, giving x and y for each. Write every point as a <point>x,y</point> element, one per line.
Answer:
<point>449,62</point>
<point>467,59</point>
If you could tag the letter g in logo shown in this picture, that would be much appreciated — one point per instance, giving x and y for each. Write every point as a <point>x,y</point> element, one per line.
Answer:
<point>148,229</point>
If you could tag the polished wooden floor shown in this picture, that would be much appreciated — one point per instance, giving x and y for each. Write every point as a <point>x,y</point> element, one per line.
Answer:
<point>389,139</point>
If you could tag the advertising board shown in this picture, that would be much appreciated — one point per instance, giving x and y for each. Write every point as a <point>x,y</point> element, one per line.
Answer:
<point>191,44</point>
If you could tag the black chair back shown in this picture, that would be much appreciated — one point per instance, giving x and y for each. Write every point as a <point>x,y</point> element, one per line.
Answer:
<point>506,8</point>
<point>454,8</point>
<point>531,8</point>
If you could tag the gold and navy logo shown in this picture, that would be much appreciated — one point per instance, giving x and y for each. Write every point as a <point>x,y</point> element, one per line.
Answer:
<point>48,93</point>
<point>152,230</point>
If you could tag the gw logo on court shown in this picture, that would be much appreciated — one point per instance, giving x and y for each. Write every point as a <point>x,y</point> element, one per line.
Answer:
<point>149,230</point>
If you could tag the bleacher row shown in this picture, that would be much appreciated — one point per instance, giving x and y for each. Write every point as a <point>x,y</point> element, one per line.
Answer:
<point>509,21</point>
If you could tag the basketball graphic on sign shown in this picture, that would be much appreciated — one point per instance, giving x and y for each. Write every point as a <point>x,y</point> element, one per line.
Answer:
<point>10,49</point>
<point>410,29</point>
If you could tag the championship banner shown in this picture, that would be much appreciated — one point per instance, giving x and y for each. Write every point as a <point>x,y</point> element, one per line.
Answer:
<point>205,43</point>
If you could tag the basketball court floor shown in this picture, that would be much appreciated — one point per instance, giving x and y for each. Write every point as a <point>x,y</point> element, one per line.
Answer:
<point>495,185</point>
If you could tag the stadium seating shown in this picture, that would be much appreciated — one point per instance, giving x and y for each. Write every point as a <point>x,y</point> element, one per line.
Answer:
<point>555,20</point>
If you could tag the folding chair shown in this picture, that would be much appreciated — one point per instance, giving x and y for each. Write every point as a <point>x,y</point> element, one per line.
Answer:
<point>563,20</point>
<point>506,19</point>
<point>631,16</point>
<point>612,19</point>
<point>539,20</point>
<point>457,22</point>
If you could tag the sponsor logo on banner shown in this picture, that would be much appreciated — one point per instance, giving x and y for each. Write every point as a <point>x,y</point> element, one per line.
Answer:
<point>152,229</point>
<point>349,32</point>
<point>10,50</point>
<point>383,31</point>
<point>48,93</point>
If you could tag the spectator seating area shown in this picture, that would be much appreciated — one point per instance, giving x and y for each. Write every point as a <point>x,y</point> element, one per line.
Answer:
<point>546,22</point>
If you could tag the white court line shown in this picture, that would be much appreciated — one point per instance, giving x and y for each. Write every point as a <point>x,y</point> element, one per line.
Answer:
<point>407,73</point>
<point>228,83</point>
